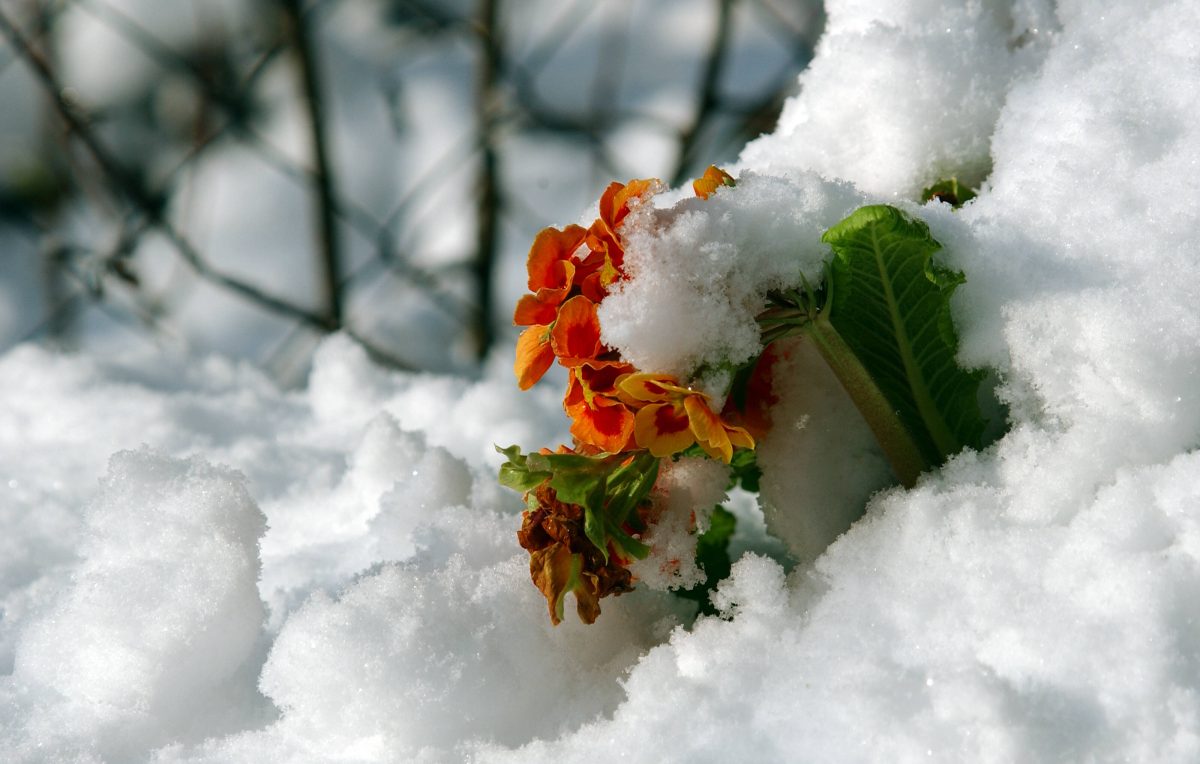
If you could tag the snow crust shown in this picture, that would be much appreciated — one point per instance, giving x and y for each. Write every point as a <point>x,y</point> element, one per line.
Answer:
<point>1039,600</point>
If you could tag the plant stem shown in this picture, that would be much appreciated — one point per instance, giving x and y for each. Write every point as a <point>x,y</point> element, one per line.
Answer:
<point>797,314</point>
<point>898,445</point>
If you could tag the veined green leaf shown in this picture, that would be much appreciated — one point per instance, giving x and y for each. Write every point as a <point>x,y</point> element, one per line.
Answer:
<point>887,332</point>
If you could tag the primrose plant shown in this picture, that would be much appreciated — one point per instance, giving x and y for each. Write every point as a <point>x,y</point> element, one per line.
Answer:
<point>879,317</point>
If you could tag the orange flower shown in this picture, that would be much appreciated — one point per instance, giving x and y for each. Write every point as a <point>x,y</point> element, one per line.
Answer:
<point>551,274</point>
<point>602,267</point>
<point>599,418</point>
<point>576,333</point>
<point>672,418</point>
<point>561,309</point>
<point>708,183</point>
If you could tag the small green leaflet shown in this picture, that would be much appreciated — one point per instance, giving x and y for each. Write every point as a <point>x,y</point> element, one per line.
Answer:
<point>744,470</point>
<point>887,333</point>
<point>515,472</point>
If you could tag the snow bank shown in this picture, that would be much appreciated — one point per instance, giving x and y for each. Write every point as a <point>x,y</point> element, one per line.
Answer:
<point>146,641</point>
<point>1035,601</point>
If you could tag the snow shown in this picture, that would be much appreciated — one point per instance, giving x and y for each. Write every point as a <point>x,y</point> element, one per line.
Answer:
<point>1037,600</point>
<point>717,258</point>
<point>687,491</point>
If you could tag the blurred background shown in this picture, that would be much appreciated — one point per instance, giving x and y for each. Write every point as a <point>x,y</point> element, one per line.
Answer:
<point>244,177</point>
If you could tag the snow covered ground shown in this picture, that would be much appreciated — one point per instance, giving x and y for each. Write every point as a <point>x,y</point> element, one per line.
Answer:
<point>197,566</point>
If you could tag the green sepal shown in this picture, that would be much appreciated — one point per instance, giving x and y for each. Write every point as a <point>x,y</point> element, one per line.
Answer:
<point>627,545</point>
<point>739,386</point>
<point>629,485</point>
<point>744,469</point>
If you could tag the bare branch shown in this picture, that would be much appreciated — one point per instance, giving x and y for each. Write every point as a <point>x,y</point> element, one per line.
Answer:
<point>151,208</point>
<point>707,100</point>
<point>331,259</point>
<point>487,95</point>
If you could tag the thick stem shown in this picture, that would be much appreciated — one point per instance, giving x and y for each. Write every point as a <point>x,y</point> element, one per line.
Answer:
<point>898,444</point>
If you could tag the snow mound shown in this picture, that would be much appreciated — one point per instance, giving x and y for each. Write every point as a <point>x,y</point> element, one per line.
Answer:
<point>149,638</point>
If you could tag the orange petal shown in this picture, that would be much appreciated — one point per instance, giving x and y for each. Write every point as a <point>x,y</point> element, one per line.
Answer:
<point>606,424</point>
<point>530,310</point>
<point>602,376</point>
<point>707,427</point>
<point>708,183</point>
<point>663,428</point>
<point>755,414</point>
<point>632,190</point>
<point>608,209</point>
<point>592,288</point>
<point>652,387</point>
<point>614,203</point>
<point>534,355</point>
<point>549,247</point>
<point>576,333</point>
<point>559,278</point>
<point>739,437</point>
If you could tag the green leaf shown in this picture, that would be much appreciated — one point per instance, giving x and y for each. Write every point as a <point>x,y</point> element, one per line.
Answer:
<point>712,555</point>
<point>948,190</point>
<point>887,332</point>
<point>629,485</point>
<point>744,470</point>
<point>627,545</point>
<point>516,474</point>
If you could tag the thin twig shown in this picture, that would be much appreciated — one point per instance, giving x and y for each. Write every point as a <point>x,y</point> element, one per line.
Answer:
<point>153,211</point>
<point>330,263</point>
<point>487,95</point>
<point>707,100</point>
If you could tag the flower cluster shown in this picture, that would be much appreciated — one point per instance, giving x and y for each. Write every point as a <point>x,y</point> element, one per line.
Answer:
<point>613,407</point>
<point>588,504</point>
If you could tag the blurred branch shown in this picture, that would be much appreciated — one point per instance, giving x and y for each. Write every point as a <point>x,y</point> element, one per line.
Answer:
<point>152,208</point>
<point>707,99</point>
<point>330,269</point>
<point>558,72</point>
<point>487,100</point>
<point>334,279</point>
<point>231,97</point>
